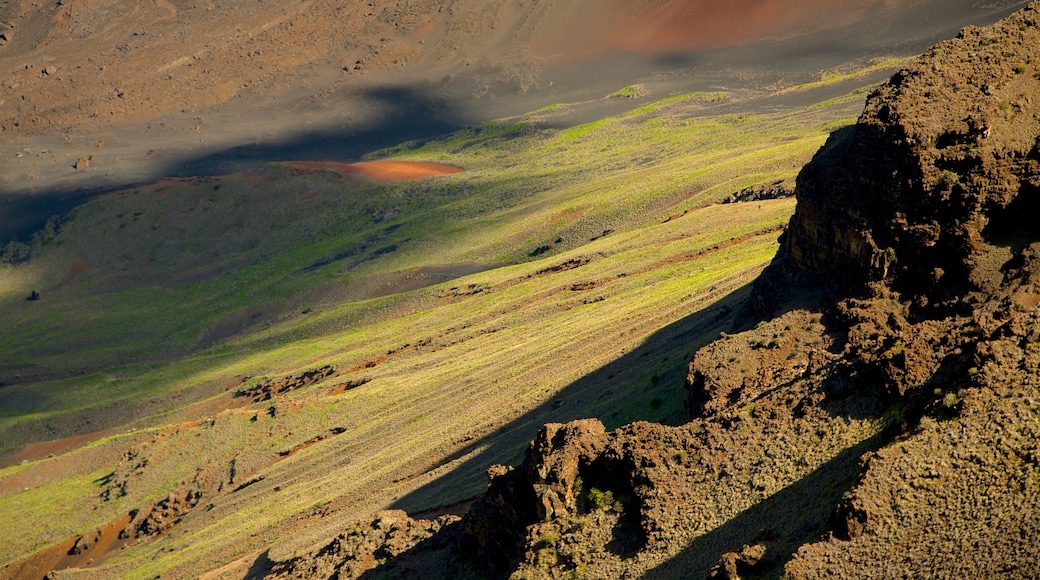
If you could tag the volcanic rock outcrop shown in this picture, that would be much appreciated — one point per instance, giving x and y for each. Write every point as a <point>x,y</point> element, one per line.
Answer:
<point>884,419</point>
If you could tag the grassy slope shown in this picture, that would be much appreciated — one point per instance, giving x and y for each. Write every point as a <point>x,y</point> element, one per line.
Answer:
<point>466,369</point>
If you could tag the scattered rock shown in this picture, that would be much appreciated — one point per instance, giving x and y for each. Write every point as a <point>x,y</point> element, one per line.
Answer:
<point>164,514</point>
<point>85,542</point>
<point>83,162</point>
<point>268,389</point>
<point>384,542</point>
<point>777,190</point>
<point>733,564</point>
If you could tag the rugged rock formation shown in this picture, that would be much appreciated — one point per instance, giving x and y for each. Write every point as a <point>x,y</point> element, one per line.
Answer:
<point>886,419</point>
<point>936,187</point>
<point>386,539</point>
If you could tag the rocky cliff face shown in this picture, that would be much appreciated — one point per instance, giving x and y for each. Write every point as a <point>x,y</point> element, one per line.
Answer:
<point>936,187</point>
<point>885,420</point>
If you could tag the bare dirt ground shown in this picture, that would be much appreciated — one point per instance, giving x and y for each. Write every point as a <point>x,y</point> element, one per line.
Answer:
<point>98,95</point>
<point>40,450</point>
<point>379,170</point>
<point>74,552</point>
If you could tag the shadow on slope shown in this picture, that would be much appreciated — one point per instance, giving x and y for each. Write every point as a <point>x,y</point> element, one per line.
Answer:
<point>645,384</point>
<point>398,114</point>
<point>619,393</point>
<point>795,515</point>
<point>422,109</point>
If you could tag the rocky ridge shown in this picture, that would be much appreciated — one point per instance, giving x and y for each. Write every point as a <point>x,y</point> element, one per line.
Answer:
<point>883,416</point>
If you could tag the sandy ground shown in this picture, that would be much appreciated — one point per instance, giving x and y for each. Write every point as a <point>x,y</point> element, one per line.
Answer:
<point>99,95</point>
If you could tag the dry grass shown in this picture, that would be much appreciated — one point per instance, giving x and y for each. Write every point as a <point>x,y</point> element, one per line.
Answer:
<point>458,374</point>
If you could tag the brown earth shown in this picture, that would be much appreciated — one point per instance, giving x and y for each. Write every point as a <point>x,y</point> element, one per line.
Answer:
<point>89,60</point>
<point>101,94</point>
<point>677,26</point>
<point>36,451</point>
<point>882,420</point>
<point>76,552</point>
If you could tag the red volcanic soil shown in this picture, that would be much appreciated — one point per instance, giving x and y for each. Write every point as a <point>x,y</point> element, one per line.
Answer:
<point>676,26</point>
<point>62,556</point>
<point>681,25</point>
<point>40,450</point>
<point>379,170</point>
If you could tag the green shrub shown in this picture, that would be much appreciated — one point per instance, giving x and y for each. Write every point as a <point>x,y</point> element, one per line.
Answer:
<point>603,500</point>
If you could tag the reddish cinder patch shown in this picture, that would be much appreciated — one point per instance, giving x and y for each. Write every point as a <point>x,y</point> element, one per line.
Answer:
<point>40,563</point>
<point>40,450</point>
<point>59,556</point>
<point>379,170</point>
<point>678,26</point>
<point>682,25</point>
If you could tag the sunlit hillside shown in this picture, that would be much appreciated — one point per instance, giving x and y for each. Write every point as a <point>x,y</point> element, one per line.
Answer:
<point>272,354</point>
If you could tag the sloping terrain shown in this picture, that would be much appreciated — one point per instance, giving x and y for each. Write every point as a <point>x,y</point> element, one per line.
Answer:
<point>87,59</point>
<point>213,376</point>
<point>257,340</point>
<point>882,421</point>
<point>105,94</point>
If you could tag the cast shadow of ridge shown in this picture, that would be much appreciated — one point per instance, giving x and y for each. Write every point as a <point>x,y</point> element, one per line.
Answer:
<point>614,393</point>
<point>617,393</point>
<point>791,517</point>
<point>403,115</point>
<point>603,393</point>
<point>599,393</point>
